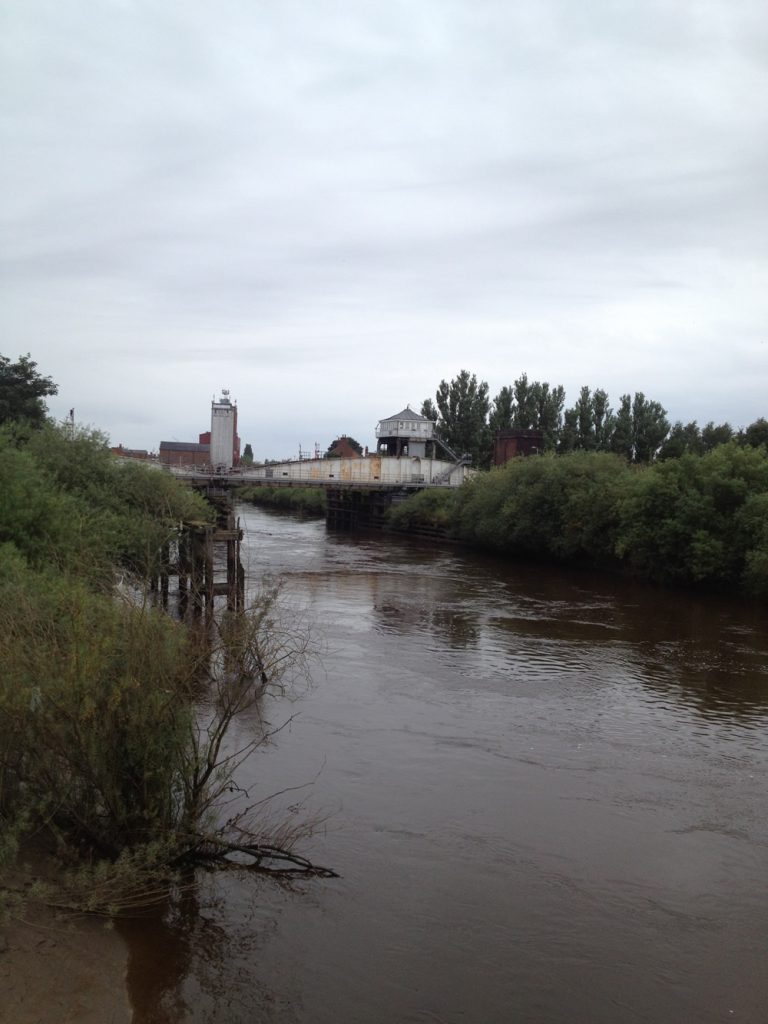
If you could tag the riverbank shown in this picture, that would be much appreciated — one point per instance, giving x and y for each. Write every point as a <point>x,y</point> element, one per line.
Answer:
<point>696,521</point>
<point>310,501</point>
<point>62,969</point>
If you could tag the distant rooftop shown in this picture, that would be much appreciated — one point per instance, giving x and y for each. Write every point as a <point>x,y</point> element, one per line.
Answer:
<point>183,446</point>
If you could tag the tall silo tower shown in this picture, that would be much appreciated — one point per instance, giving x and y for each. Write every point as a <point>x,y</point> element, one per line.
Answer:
<point>224,439</point>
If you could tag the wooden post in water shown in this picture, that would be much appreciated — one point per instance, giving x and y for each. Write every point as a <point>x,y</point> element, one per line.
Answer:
<point>235,571</point>
<point>231,575</point>
<point>197,558</point>
<point>165,557</point>
<point>182,564</point>
<point>208,567</point>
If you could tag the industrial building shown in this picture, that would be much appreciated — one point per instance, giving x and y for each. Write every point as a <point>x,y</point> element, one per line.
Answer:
<point>217,448</point>
<point>225,444</point>
<point>184,453</point>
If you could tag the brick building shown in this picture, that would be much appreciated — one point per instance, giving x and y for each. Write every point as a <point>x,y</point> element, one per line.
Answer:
<point>184,453</point>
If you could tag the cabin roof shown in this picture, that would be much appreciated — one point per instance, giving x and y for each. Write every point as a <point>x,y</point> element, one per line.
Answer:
<point>407,414</point>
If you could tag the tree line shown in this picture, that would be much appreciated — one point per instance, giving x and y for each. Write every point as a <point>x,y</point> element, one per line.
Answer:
<point>637,429</point>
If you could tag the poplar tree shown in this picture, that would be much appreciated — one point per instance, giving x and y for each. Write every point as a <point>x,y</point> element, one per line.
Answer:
<point>463,407</point>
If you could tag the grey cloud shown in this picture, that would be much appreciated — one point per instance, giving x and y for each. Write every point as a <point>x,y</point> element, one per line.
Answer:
<point>285,184</point>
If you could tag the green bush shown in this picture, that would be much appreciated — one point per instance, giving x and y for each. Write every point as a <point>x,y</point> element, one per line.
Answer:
<point>433,509</point>
<point>114,718</point>
<point>698,519</point>
<point>95,711</point>
<point>561,507</point>
<point>65,500</point>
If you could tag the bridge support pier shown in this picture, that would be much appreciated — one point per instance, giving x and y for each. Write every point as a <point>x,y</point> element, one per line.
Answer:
<point>351,508</point>
<point>204,572</point>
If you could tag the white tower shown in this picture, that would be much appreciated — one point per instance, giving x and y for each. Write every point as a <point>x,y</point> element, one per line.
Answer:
<point>223,432</point>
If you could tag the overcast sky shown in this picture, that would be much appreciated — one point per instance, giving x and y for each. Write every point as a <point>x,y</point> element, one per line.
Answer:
<point>327,206</point>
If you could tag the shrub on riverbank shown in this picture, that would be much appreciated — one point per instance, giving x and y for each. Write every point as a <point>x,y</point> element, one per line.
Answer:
<point>699,520</point>
<point>66,502</point>
<point>310,501</point>
<point>696,520</point>
<point>561,507</point>
<point>114,717</point>
<point>95,709</point>
<point>430,509</point>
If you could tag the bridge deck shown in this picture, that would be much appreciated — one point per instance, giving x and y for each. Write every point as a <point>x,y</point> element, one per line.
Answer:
<point>377,472</point>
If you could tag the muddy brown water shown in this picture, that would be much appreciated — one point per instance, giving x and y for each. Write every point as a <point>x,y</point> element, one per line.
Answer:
<point>546,794</point>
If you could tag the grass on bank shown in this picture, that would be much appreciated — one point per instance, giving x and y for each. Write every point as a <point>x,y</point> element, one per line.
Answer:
<point>310,501</point>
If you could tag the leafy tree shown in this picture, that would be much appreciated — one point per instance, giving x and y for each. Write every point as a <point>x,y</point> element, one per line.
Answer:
<point>530,405</point>
<point>579,424</point>
<point>650,427</point>
<point>429,410</point>
<point>569,435</point>
<point>682,439</point>
<point>463,405</point>
<point>756,433</point>
<point>549,412</point>
<point>248,455</point>
<point>502,410</point>
<point>602,420</point>
<point>621,439</point>
<point>640,428</point>
<point>524,406</point>
<point>22,390</point>
<point>712,435</point>
<point>330,454</point>
<point>584,409</point>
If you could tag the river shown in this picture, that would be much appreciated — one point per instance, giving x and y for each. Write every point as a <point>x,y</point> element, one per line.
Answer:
<point>545,793</point>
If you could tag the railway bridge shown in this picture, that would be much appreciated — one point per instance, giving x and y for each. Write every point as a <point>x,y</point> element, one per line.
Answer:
<point>359,491</point>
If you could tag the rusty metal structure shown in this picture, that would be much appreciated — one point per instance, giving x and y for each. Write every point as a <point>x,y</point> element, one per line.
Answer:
<point>509,444</point>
